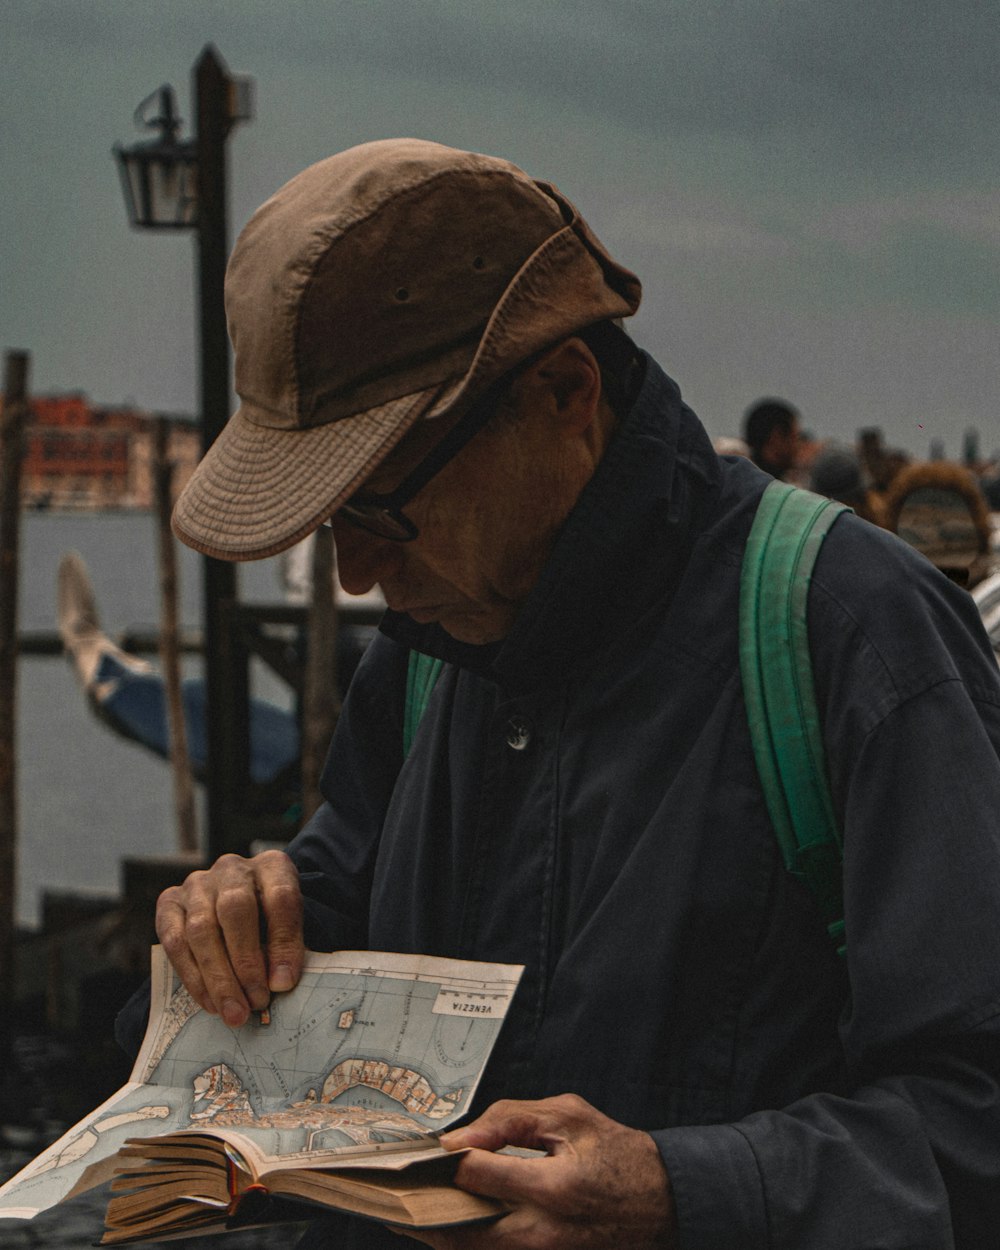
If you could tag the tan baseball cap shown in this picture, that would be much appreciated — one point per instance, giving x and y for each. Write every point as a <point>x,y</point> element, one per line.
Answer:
<point>388,284</point>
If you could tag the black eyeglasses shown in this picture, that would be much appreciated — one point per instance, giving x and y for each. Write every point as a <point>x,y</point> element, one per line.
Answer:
<point>383,514</point>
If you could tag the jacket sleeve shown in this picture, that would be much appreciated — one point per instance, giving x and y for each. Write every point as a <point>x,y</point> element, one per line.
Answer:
<point>909,1156</point>
<point>336,849</point>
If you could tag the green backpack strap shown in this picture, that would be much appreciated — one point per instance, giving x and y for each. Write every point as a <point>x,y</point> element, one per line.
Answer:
<point>775,664</point>
<point>421,674</point>
<point>785,539</point>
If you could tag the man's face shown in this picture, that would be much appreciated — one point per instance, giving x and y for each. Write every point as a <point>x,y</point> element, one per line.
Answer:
<point>486,522</point>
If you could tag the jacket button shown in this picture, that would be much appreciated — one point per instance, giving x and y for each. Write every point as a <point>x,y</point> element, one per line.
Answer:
<point>518,734</point>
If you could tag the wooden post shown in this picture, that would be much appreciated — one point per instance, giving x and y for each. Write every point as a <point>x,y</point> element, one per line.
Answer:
<point>180,763</point>
<point>320,698</point>
<point>13,420</point>
<point>228,730</point>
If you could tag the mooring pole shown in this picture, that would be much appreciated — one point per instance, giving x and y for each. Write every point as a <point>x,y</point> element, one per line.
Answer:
<point>13,419</point>
<point>180,762</point>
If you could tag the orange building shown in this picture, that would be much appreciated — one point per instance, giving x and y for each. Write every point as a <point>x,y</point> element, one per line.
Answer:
<point>79,455</point>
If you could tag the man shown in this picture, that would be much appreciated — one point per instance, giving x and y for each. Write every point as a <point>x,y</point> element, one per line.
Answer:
<point>426,352</point>
<point>771,430</point>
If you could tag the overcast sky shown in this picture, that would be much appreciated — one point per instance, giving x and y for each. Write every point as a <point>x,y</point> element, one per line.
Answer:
<point>807,188</point>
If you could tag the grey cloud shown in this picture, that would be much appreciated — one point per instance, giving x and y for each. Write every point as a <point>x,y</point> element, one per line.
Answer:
<point>901,81</point>
<point>884,83</point>
<point>807,187</point>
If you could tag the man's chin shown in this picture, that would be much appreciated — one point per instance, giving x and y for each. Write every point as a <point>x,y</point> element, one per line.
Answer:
<point>476,628</point>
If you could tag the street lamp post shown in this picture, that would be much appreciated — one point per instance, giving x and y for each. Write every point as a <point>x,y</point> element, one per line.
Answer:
<point>228,732</point>
<point>174,184</point>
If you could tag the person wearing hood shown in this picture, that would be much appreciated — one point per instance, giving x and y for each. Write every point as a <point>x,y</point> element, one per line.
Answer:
<point>429,355</point>
<point>939,508</point>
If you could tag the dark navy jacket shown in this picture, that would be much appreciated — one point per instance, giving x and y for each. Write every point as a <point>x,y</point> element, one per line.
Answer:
<point>583,799</point>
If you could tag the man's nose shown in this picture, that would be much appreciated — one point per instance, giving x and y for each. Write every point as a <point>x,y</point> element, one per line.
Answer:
<point>363,560</point>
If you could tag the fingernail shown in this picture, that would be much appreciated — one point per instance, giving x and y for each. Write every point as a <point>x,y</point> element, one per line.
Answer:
<point>281,978</point>
<point>259,996</point>
<point>234,1013</point>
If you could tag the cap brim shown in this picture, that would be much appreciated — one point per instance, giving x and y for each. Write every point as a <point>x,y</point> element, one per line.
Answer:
<point>258,490</point>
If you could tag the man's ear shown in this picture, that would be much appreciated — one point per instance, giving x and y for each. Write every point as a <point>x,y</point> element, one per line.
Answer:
<point>566,379</point>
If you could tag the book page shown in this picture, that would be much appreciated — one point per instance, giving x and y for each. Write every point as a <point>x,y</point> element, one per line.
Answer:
<point>369,1053</point>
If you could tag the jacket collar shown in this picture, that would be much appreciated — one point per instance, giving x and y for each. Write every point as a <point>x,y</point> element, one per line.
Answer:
<point>622,549</point>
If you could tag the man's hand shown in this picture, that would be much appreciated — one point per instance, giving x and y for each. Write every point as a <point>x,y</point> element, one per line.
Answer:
<point>600,1185</point>
<point>210,928</point>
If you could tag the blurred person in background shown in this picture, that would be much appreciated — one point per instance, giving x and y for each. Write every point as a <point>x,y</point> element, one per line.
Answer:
<point>836,472</point>
<point>939,509</point>
<point>771,431</point>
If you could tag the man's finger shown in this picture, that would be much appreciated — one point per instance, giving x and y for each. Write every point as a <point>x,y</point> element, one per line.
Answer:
<point>240,954</point>
<point>201,961</point>
<point>222,933</point>
<point>211,929</point>
<point>281,905</point>
<point>222,929</point>
<point>503,1124</point>
<point>537,1125</point>
<point>170,933</point>
<point>505,1177</point>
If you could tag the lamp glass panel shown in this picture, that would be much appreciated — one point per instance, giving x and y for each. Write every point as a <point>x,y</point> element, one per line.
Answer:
<point>172,192</point>
<point>160,186</point>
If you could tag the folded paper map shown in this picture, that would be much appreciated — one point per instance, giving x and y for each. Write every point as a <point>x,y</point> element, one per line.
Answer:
<point>357,1068</point>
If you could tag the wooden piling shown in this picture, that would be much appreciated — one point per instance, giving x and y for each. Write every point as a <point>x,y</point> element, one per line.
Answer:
<point>13,420</point>
<point>180,762</point>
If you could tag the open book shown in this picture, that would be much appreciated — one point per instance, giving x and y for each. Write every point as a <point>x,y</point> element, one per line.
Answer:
<point>334,1096</point>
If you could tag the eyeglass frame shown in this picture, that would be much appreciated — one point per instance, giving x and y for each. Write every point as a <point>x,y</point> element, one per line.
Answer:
<point>620,374</point>
<point>367,509</point>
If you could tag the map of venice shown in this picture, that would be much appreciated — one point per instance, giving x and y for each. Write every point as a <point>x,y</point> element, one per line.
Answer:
<point>370,1050</point>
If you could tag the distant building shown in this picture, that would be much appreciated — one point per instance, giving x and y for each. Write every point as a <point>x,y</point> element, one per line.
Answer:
<point>83,456</point>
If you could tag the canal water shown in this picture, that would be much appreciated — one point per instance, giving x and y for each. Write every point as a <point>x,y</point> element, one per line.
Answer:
<point>86,797</point>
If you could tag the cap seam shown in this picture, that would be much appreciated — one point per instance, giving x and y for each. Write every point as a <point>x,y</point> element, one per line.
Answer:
<point>566,238</point>
<point>270,482</point>
<point>398,194</point>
